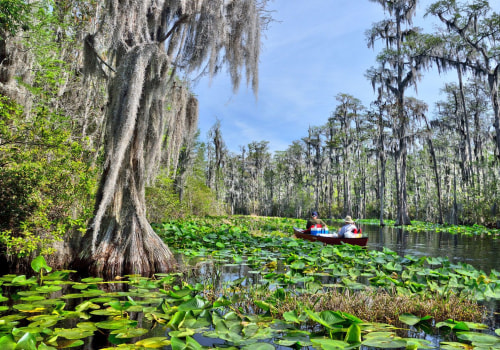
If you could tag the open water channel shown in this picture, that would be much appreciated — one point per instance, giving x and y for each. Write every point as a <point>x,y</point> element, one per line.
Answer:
<point>480,251</point>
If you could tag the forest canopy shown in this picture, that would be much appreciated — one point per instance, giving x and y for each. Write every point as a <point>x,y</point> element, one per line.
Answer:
<point>98,127</point>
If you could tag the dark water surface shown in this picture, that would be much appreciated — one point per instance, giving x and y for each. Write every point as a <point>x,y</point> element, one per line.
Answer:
<point>482,252</point>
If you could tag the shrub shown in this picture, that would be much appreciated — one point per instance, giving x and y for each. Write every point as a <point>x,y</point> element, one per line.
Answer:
<point>45,181</point>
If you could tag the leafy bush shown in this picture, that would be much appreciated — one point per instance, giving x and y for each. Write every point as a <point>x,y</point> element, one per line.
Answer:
<point>200,199</point>
<point>44,180</point>
<point>162,202</point>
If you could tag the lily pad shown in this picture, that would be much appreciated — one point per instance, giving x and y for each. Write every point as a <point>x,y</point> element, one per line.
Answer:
<point>154,342</point>
<point>385,343</point>
<point>73,333</point>
<point>129,332</point>
<point>116,324</point>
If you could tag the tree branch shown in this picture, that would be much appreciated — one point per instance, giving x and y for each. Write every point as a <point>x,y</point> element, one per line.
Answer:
<point>91,44</point>
<point>181,20</point>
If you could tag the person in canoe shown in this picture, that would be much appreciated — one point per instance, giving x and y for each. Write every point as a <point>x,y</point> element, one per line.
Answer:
<point>349,230</point>
<point>314,223</point>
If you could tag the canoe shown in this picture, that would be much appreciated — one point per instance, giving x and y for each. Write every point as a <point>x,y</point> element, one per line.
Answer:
<point>361,241</point>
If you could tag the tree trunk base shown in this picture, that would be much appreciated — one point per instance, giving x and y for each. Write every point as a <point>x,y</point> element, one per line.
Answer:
<point>125,250</point>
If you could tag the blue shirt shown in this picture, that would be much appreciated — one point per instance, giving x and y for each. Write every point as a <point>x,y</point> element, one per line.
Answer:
<point>346,228</point>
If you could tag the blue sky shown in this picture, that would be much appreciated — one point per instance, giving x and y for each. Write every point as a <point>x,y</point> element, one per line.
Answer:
<point>313,51</point>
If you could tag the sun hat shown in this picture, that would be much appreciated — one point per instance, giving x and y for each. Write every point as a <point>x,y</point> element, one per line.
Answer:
<point>348,219</point>
<point>314,213</point>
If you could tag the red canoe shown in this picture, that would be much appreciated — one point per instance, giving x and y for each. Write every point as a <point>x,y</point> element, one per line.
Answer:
<point>361,241</point>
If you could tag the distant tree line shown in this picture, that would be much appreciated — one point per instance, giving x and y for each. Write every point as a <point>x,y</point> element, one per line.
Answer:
<point>392,159</point>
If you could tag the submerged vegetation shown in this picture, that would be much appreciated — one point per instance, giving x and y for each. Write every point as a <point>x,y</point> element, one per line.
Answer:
<point>246,283</point>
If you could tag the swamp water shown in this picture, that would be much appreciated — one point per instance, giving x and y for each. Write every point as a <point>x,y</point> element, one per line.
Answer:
<point>480,252</point>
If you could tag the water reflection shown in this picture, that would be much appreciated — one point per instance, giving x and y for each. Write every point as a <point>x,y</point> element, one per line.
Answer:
<point>480,251</point>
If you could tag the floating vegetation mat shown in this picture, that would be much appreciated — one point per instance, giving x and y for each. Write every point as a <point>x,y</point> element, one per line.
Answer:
<point>249,285</point>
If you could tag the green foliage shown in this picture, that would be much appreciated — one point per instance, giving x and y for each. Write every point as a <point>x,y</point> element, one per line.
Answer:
<point>200,199</point>
<point>43,178</point>
<point>47,179</point>
<point>162,202</point>
<point>13,15</point>
<point>286,307</point>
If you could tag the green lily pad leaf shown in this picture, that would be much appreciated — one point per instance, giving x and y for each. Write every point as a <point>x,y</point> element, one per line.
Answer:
<point>119,305</point>
<point>58,276</point>
<point>69,343</point>
<point>92,280</point>
<point>264,305</point>
<point>182,333</point>
<point>333,317</point>
<point>48,289</point>
<point>497,331</point>
<point>196,303</point>
<point>178,344</point>
<point>43,346</point>
<point>91,293</point>
<point>27,342</point>
<point>221,301</point>
<point>80,286</point>
<point>22,281</point>
<point>298,265</point>
<point>192,344</point>
<point>116,324</point>
<point>291,316</point>
<point>85,306</point>
<point>154,342</point>
<point>317,318</point>
<point>129,332</point>
<point>409,319</point>
<point>31,308</point>
<point>122,347</point>
<point>72,296</point>
<point>7,342</point>
<point>385,342</point>
<point>291,339</point>
<point>45,321</point>
<point>478,338</point>
<point>179,294</point>
<point>453,345</point>
<point>73,333</point>
<point>414,344</point>
<point>2,298</point>
<point>330,344</point>
<point>11,319</point>
<point>33,298</point>
<point>353,335</point>
<point>258,346</point>
<point>106,312</point>
<point>102,300</point>
<point>39,263</point>
<point>453,325</point>
<point>189,343</point>
<point>4,308</point>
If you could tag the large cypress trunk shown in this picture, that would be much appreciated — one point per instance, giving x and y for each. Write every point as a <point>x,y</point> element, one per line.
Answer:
<point>144,42</point>
<point>120,240</point>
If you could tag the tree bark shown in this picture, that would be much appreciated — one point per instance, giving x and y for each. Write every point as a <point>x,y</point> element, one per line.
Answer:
<point>120,240</point>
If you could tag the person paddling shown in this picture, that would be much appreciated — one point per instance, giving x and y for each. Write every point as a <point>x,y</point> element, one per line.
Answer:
<point>349,228</point>
<point>315,222</point>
